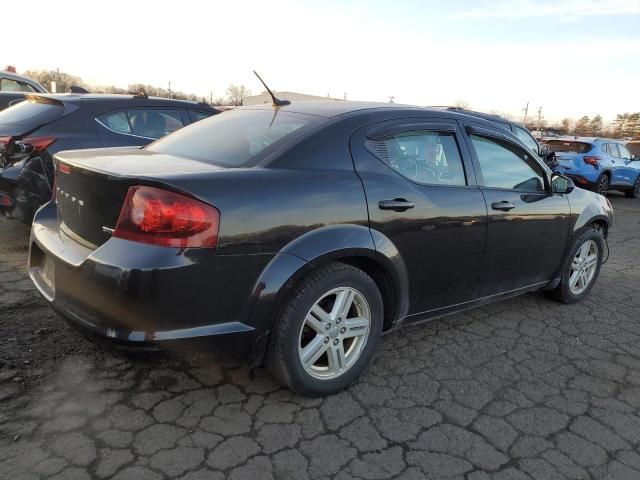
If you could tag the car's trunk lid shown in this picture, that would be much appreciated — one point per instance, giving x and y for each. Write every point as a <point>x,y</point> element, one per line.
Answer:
<point>570,160</point>
<point>91,186</point>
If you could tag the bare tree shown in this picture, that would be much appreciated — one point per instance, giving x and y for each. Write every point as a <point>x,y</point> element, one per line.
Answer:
<point>63,80</point>
<point>566,126</point>
<point>237,94</point>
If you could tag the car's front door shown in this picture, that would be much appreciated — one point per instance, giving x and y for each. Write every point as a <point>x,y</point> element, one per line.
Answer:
<point>627,168</point>
<point>528,225</point>
<point>422,198</point>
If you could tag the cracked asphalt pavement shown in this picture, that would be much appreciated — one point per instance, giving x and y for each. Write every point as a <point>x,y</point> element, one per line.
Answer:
<point>527,388</point>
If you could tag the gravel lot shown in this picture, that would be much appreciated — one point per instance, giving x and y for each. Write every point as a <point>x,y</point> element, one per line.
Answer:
<point>526,388</point>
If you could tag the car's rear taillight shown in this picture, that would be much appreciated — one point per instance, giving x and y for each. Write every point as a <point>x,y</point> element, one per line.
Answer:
<point>591,160</point>
<point>160,217</point>
<point>34,144</point>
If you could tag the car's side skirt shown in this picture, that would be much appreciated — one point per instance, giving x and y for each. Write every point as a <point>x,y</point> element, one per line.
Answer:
<point>460,307</point>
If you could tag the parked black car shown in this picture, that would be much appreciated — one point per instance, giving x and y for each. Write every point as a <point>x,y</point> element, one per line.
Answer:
<point>299,234</point>
<point>32,131</point>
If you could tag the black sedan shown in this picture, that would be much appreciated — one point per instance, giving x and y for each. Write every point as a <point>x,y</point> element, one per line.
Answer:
<point>296,235</point>
<point>35,129</point>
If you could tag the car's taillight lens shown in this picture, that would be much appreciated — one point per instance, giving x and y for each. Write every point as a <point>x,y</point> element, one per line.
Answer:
<point>160,217</point>
<point>591,160</point>
<point>35,144</point>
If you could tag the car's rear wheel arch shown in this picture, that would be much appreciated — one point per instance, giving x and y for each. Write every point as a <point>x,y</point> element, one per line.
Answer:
<point>384,282</point>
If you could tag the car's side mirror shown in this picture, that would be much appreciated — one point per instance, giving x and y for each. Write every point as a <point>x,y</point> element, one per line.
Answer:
<point>561,184</point>
<point>543,150</point>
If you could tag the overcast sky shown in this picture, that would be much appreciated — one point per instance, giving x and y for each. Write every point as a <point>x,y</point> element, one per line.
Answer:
<point>572,57</point>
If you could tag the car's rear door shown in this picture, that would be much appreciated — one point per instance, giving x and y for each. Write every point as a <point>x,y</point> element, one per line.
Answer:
<point>528,225</point>
<point>422,197</point>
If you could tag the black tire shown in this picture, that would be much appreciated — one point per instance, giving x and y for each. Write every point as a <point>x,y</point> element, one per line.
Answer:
<point>563,292</point>
<point>634,192</point>
<point>282,357</point>
<point>602,186</point>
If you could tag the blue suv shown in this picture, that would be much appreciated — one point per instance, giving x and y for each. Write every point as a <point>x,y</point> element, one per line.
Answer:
<point>598,164</point>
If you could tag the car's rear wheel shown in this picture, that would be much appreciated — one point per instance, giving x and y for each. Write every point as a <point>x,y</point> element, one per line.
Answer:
<point>327,331</point>
<point>603,184</point>
<point>634,192</point>
<point>581,268</point>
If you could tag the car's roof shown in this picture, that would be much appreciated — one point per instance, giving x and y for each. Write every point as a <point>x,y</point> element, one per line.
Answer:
<point>486,116</point>
<point>331,108</point>
<point>106,97</point>
<point>572,138</point>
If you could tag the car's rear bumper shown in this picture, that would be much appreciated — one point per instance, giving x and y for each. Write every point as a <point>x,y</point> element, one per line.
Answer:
<point>142,294</point>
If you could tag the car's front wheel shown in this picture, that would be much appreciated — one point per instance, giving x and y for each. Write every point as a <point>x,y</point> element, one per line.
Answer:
<point>327,331</point>
<point>581,268</point>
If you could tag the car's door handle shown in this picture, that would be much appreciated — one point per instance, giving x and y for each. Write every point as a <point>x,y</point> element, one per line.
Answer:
<point>397,204</point>
<point>504,205</point>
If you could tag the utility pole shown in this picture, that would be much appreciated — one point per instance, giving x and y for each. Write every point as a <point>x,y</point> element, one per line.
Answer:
<point>391,98</point>
<point>210,98</point>
<point>169,89</point>
<point>539,117</point>
<point>526,110</point>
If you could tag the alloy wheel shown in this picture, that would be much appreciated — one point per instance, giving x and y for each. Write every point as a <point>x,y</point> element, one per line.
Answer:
<point>583,267</point>
<point>334,333</point>
<point>603,185</point>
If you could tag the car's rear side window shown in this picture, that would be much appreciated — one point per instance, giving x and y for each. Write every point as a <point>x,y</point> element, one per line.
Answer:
<point>568,146</point>
<point>196,115</point>
<point>31,112</point>
<point>234,138</point>
<point>425,157</point>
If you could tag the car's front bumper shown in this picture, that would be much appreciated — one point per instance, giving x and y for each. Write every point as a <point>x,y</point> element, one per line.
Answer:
<point>142,294</point>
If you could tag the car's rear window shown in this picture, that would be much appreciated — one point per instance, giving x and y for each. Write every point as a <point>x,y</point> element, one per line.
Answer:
<point>31,111</point>
<point>564,146</point>
<point>236,138</point>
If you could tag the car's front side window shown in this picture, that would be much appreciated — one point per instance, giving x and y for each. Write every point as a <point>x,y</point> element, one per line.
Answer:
<point>154,123</point>
<point>423,157</point>
<point>527,139</point>
<point>624,153</point>
<point>506,166</point>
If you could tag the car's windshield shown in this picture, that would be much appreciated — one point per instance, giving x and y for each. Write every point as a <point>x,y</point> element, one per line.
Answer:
<point>234,138</point>
<point>568,146</point>
<point>634,148</point>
